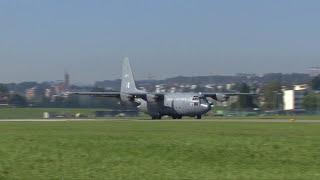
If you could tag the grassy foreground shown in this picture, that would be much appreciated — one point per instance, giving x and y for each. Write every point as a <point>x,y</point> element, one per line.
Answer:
<point>159,150</point>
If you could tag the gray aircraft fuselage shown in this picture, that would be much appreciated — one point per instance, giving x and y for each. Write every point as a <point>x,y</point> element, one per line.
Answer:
<point>176,105</point>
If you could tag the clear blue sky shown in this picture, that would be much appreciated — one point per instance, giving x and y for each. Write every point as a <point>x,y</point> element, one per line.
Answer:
<point>39,39</point>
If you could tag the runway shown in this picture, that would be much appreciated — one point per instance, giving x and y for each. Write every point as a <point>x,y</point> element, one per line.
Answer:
<point>168,120</point>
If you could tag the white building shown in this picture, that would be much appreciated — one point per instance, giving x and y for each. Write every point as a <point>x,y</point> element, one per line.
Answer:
<point>48,93</point>
<point>293,99</point>
<point>31,93</point>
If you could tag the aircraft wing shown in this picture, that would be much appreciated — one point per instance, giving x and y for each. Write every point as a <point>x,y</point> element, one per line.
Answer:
<point>225,96</point>
<point>154,96</point>
<point>97,94</point>
<point>108,94</point>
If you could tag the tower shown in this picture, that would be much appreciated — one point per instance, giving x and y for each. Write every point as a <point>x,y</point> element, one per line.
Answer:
<point>66,83</point>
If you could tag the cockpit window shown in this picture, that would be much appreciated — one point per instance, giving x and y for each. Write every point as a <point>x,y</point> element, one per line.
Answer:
<point>195,98</point>
<point>203,101</point>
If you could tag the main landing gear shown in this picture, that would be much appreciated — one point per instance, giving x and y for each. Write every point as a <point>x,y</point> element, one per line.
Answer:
<point>198,117</point>
<point>177,117</point>
<point>156,117</point>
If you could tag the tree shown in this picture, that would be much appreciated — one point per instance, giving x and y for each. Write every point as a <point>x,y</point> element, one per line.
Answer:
<point>3,89</point>
<point>17,100</point>
<point>245,102</point>
<point>72,102</point>
<point>315,83</point>
<point>311,102</point>
<point>272,95</point>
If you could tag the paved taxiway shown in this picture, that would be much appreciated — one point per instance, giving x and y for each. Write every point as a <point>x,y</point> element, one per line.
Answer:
<point>170,120</point>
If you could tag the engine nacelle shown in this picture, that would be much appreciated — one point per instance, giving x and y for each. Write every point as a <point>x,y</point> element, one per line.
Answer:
<point>221,97</point>
<point>129,100</point>
<point>143,105</point>
<point>126,98</point>
<point>152,98</point>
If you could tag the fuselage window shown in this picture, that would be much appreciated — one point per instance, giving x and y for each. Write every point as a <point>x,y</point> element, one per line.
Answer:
<point>195,98</point>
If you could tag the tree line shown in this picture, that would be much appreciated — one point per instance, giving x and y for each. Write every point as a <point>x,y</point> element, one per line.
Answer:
<point>270,98</point>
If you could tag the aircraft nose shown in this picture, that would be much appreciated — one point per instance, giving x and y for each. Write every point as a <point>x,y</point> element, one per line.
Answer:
<point>210,106</point>
<point>207,107</point>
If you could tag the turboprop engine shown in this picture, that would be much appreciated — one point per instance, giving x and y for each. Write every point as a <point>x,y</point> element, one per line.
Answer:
<point>221,97</point>
<point>129,100</point>
<point>151,98</point>
<point>143,105</point>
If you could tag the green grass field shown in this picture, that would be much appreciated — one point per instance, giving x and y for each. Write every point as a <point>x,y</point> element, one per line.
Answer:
<point>159,150</point>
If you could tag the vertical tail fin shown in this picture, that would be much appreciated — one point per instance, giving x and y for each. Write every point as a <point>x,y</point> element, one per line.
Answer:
<point>128,84</point>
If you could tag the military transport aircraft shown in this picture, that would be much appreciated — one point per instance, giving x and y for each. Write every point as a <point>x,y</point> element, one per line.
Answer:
<point>157,105</point>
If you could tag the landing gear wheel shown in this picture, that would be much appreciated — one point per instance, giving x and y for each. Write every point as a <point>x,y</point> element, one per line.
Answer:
<point>157,117</point>
<point>177,117</point>
<point>198,117</point>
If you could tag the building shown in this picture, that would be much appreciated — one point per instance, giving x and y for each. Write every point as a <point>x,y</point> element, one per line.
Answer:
<point>48,93</point>
<point>230,86</point>
<point>31,93</point>
<point>58,88</point>
<point>293,99</point>
<point>3,101</point>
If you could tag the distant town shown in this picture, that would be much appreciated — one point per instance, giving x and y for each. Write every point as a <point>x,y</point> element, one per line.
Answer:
<point>277,92</point>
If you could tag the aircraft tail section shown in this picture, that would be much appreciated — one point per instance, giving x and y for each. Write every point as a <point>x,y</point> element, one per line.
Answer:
<point>128,84</point>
